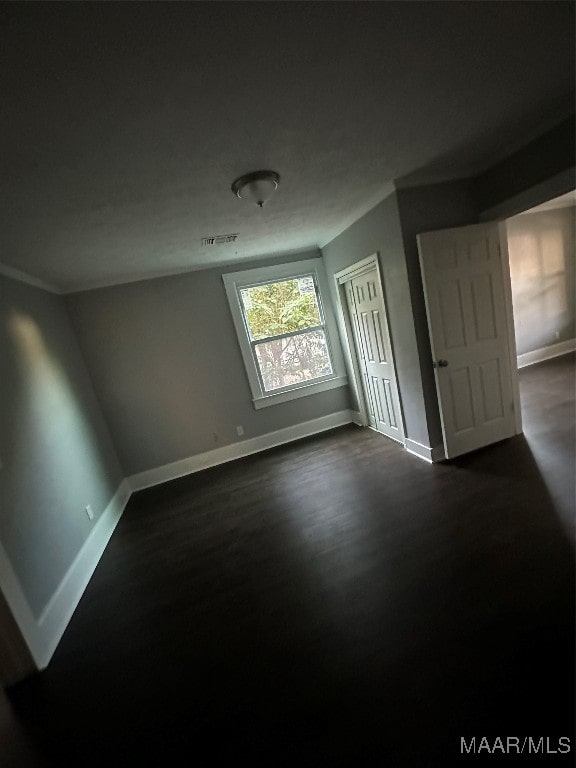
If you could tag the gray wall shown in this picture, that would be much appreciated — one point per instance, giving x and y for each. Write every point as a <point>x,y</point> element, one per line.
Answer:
<point>55,448</point>
<point>165,360</point>
<point>542,256</point>
<point>379,230</point>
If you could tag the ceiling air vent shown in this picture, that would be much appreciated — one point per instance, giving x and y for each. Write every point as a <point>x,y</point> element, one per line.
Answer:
<point>219,239</point>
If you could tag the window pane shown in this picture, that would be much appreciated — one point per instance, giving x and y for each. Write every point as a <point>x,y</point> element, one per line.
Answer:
<point>283,307</point>
<point>294,360</point>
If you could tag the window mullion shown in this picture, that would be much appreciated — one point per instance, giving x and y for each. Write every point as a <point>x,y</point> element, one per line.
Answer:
<point>266,339</point>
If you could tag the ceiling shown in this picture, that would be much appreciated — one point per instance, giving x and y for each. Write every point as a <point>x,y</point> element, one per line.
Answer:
<point>123,125</point>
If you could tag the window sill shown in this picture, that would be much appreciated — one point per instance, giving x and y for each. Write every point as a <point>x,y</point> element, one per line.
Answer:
<point>303,391</point>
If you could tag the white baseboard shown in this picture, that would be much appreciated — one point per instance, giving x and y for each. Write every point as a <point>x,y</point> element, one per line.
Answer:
<point>201,461</point>
<point>356,418</point>
<point>546,353</point>
<point>430,455</point>
<point>42,635</point>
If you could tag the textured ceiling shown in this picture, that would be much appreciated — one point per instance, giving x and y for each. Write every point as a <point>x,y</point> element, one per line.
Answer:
<point>124,124</point>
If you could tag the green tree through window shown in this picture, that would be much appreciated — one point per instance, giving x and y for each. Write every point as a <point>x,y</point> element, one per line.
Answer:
<point>285,324</point>
<point>278,308</point>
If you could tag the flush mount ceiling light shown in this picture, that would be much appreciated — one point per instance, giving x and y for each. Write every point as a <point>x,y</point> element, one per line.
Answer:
<point>257,186</point>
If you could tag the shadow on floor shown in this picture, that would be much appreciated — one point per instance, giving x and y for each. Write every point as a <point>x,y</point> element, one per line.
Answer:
<point>335,602</point>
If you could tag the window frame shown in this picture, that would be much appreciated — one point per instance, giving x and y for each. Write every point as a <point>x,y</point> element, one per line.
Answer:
<point>234,282</point>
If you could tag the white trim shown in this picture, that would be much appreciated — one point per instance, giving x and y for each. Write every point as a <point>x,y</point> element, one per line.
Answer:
<point>356,417</point>
<point>139,277</point>
<point>546,353</point>
<point>234,281</point>
<point>431,455</point>
<point>233,451</point>
<point>356,269</point>
<point>509,315</point>
<point>42,635</point>
<point>24,277</point>
<point>136,277</point>
<point>307,389</point>
<point>347,337</point>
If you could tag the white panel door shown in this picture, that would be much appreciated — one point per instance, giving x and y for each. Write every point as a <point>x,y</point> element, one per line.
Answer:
<point>467,317</point>
<point>374,352</point>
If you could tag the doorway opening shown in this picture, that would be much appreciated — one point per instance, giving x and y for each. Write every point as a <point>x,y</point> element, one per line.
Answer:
<point>490,313</point>
<point>542,258</point>
<point>542,255</point>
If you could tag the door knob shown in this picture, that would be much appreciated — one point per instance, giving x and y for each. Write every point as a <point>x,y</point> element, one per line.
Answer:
<point>441,364</point>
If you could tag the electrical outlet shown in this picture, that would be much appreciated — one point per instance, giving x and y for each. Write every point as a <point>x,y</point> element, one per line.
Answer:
<point>557,335</point>
<point>240,430</point>
<point>89,512</point>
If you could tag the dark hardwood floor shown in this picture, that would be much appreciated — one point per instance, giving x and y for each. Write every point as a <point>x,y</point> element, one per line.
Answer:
<point>335,602</point>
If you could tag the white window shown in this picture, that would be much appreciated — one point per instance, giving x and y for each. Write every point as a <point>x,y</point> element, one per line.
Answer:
<point>286,331</point>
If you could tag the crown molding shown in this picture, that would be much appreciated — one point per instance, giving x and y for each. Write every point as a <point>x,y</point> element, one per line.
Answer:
<point>24,277</point>
<point>248,262</point>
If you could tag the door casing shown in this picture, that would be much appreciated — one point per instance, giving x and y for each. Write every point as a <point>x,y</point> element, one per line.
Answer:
<point>341,278</point>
